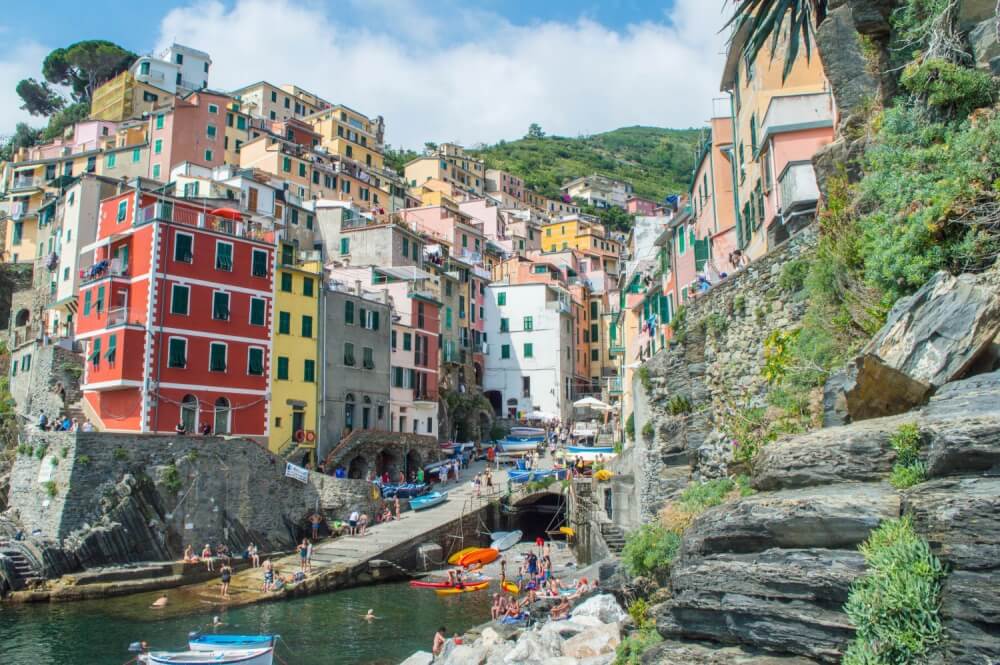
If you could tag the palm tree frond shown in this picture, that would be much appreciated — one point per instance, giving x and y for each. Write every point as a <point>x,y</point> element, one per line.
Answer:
<point>765,19</point>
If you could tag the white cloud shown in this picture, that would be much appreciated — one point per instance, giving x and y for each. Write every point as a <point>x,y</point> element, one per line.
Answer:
<point>440,73</point>
<point>22,61</point>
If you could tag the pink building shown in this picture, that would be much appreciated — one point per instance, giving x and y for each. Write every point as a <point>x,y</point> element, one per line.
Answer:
<point>88,135</point>
<point>487,213</point>
<point>192,131</point>
<point>713,207</point>
<point>460,231</point>
<point>637,205</point>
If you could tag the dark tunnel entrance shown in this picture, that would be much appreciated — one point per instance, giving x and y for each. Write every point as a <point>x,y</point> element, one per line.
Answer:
<point>537,517</point>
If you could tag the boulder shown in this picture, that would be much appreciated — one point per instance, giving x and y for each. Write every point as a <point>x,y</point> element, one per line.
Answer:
<point>673,652</point>
<point>834,517</point>
<point>490,636</point>
<point>419,658</point>
<point>603,607</point>
<point>596,641</point>
<point>929,339</point>
<point>530,650</point>
<point>985,43</point>
<point>843,62</point>
<point>960,518</point>
<point>972,12</point>
<point>834,400</point>
<point>463,654</point>
<point>561,660</point>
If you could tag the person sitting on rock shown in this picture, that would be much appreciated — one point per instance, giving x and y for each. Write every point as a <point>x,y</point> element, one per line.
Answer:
<point>561,610</point>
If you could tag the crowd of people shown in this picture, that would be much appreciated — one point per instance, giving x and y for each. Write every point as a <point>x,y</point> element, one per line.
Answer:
<point>64,424</point>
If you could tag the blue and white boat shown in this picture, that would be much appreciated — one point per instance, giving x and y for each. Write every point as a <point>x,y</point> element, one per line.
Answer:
<point>590,453</point>
<point>263,656</point>
<point>537,474</point>
<point>428,500</point>
<point>198,642</point>
<point>527,431</point>
<point>520,444</point>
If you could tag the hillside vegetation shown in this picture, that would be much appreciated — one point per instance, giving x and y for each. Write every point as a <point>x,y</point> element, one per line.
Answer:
<point>657,161</point>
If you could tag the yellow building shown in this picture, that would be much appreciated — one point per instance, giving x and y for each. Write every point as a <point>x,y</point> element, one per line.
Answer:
<point>295,369</point>
<point>350,134</point>
<point>123,97</point>
<point>450,164</point>
<point>753,84</point>
<point>588,237</point>
<point>237,132</point>
<point>28,205</point>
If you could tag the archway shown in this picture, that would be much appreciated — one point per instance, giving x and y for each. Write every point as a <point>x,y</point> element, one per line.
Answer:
<point>223,416</point>
<point>413,462</point>
<point>22,318</point>
<point>189,413</point>
<point>496,401</point>
<point>358,468</point>
<point>387,461</point>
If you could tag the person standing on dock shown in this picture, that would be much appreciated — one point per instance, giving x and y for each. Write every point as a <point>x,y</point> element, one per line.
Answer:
<point>303,554</point>
<point>227,574</point>
<point>439,639</point>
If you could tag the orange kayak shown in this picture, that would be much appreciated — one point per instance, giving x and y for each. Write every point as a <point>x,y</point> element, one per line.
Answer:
<point>476,586</point>
<point>483,555</point>
<point>454,558</point>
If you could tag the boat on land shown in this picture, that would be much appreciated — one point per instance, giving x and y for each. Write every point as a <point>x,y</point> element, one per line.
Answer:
<point>483,556</point>
<point>199,642</point>
<point>218,657</point>
<point>504,540</point>
<point>428,500</point>
<point>520,444</point>
<point>404,491</point>
<point>527,431</point>
<point>511,587</point>
<point>453,559</point>
<point>465,588</point>
<point>537,474</point>
<point>590,453</point>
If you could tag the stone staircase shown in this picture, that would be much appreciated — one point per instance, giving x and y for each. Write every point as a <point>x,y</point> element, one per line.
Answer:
<point>20,563</point>
<point>613,537</point>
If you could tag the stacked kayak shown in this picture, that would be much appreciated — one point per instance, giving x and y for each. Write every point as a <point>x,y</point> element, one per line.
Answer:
<point>465,588</point>
<point>405,491</point>
<point>453,559</point>
<point>480,555</point>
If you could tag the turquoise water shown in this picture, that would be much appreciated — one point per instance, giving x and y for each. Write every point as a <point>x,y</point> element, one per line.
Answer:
<point>319,629</point>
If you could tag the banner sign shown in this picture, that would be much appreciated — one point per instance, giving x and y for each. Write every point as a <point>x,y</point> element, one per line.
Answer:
<point>296,472</point>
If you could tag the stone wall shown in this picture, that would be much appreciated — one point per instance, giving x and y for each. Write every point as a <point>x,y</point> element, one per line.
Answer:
<point>716,367</point>
<point>114,498</point>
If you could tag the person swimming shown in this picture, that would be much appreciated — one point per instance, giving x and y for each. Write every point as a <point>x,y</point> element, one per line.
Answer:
<point>160,602</point>
<point>370,616</point>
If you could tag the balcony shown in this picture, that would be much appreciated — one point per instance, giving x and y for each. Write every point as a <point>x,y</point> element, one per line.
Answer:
<point>117,316</point>
<point>790,113</point>
<point>797,186</point>
<point>425,398</point>
<point>614,386</point>
<point>21,183</point>
<point>162,212</point>
<point>102,269</point>
<point>558,306</point>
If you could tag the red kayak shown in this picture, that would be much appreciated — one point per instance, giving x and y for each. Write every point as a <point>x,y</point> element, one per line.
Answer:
<point>418,584</point>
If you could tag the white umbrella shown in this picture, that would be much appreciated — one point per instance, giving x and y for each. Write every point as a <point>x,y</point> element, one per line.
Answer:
<point>591,403</point>
<point>540,415</point>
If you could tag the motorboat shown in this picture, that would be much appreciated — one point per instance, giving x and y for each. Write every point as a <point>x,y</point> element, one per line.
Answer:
<point>514,444</point>
<point>534,475</point>
<point>590,453</point>
<point>429,500</point>
<point>263,656</point>
<point>200,642</point>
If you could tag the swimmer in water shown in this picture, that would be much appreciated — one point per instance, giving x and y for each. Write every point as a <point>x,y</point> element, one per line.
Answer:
<point>160,602</point>
<point>370,616</point>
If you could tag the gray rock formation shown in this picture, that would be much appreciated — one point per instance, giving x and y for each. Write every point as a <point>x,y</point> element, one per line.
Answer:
<point>930,338</point>
<point>843,62</point>
<point>985,44</point>
<point>672,652</point>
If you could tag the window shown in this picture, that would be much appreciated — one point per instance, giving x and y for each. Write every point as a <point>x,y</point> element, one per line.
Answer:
<point>255,361</point>
<point>307,286</point>
<point>447,317</point>
<point>86,303</point>
<point>177,353</point>
<point>529,350</point>
<point>144,68</point>
<point>529,324</point>
<point>257,311</point>
<point>504,325</point>
<point>309,371</point>
<point>368,358</point>
<point>241,122</point>
<point>307,326</point>
<point>208,155</point>
<point>95,353</point>
<point>392,337</point>
<point>211,131</point>
<point>212,108</point>
<point>593,309</point>
<point>179,58</point>
<point>157,146</point>
<point>111,160</point>
<point>505,351</point>
<point>286,164</point>
<point>284,323</point>
<point>274,96</point>
<point>348,354</point>
<point>223,255</point>
<point>112,348</point>
<point>220,306</point>
<point>179,299</point>
<point>349,312</point>
<point>122,210</point>
<point>502,298</point>
<point>309,222</point>
<point>282,370</point>
<point>407,341</point>
<point>183,247</point>
<point>526,386</point>
<point>159,121</point>
<point>286,282</point>
<point>302,169</point>
<point>156,171</point>
<point>595,355</point>
<point>681,235</point>
<point>217,357</point>
<point>259,264</point>
<point>345,245</point>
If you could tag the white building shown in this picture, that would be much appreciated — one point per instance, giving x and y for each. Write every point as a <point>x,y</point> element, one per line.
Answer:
<point>176,69</point>
<point>529,366</point>
<point>599,191</point>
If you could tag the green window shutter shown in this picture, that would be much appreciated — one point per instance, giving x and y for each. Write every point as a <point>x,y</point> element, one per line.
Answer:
<point>504,325</point>
<point>348,312</point>
<point>529,350</point>
<point>112,347</point>
<point>257,313</point>
<point>595,355</point>
<point>220,306</point>
<point>307,286</point>
<point>529,323</point>
<point>593,309</point>
<point>223,256</point>
<point>95,352</point>
<point>368,358</point>
<point>392,337</point>
<point>375,320</point>
<point>309,371</point>
<point>397,377</point>
<point>282,371</point>
<point>309,222</point>
<point>307,326</point>
<point>593,332</point>
<point>177,353</point>
<point>302,170</point>
<point>700,254</point>
<point>362,317</point>
<point>284,323</point>
<point>348,353</point>
<point>502,298</point>
<point>86,303</point>
<point>217,357</point>
<point>286,164</point>
<point>183,246</point>
<point>255,362</point>
<point>345,245</point>
<point>259,268</point>
<point>407,342</point>
<point>447,317</point>
<point>406,247</point>
<point>179,296</point>
<point>286,282</point>
<point>505,351</point>
<point>136,154</point>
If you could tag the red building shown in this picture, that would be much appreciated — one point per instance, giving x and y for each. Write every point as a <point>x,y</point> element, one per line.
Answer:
<point>175,318</point>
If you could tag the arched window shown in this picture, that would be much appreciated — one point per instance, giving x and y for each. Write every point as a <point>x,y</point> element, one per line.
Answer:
<point>349,412</point>
<point>189,413</point>
<point>223,416</point>
<point>22,318</point>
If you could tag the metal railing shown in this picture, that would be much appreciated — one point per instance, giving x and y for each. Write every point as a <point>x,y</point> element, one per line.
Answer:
<point>187,216</point>
<point>117,316</point>
<point>25,182</point>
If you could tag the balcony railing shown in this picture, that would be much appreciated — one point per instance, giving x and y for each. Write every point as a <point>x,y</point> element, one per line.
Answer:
<point>795,112</point>
<point>117,316</point>
<point>180,215</point>
<point>424,397</point>
<point>614,386</point>
<point>559,306</point>
<point>797,184</point>
<point>103,269</point>
<point>25,182</point>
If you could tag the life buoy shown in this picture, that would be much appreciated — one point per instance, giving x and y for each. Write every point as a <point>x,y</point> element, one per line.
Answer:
<point>300,436</point>
<point>310,436</point>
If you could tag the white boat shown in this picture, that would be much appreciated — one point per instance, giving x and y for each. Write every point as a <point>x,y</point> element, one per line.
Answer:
<point>527,431</point>
<point>588,453</point>
<point>224,657</point>
<point>225,642</point>
<point>504,540</point>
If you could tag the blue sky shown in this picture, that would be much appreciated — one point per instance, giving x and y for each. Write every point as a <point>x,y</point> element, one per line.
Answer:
<point>436,69</point>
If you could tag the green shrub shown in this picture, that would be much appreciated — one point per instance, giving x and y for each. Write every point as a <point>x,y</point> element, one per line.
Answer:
<point>678,404</point>
<point>679,324</point>
<point>699,497</point>
<point>172,479</point>
<point>950,89</point>
<point>793,275</point>
<point>83,459</point>
<point>895,606</point>
<point>630,650</point>
<point>638,609</point>
<point>715,324</point>
<point>750,431</point>
<point>192,455</point>
<point>630,426</point>
<point>650,549</point>
<point>908,470</point>
<point>51,488</point>
<point>739,303</point>
<point>643,373</point>
<point>24,449</point>
<point>120,454</point>
<point>41,450</point>
<point>647,430</point>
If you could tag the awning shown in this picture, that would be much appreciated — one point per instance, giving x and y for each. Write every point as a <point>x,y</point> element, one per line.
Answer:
<point>405,273</point>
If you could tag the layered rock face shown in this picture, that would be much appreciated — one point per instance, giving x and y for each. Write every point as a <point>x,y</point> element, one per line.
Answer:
<point>772,571</point>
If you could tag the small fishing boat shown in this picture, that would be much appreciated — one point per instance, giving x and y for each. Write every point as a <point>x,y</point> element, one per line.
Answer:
<point>199,642</point>
<point>538,474</point>
<point>428,500</point>
<point>519,444</point>
<point>453,559</point>
<point>217,657</point>
<point>465,588</point>
<point>590,453</point>
<point>506,540</point>
<point>483,555</point>
<point>527,431</point>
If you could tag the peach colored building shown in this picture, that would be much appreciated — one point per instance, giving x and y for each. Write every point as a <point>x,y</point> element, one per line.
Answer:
<point>192,131</point>
<point>637,205</point>
<point>713,207</point>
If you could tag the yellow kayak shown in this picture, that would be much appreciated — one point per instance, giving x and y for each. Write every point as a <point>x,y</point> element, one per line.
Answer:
<point>511,587</point>
<point>475,586</point>
<point>453,559</point>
